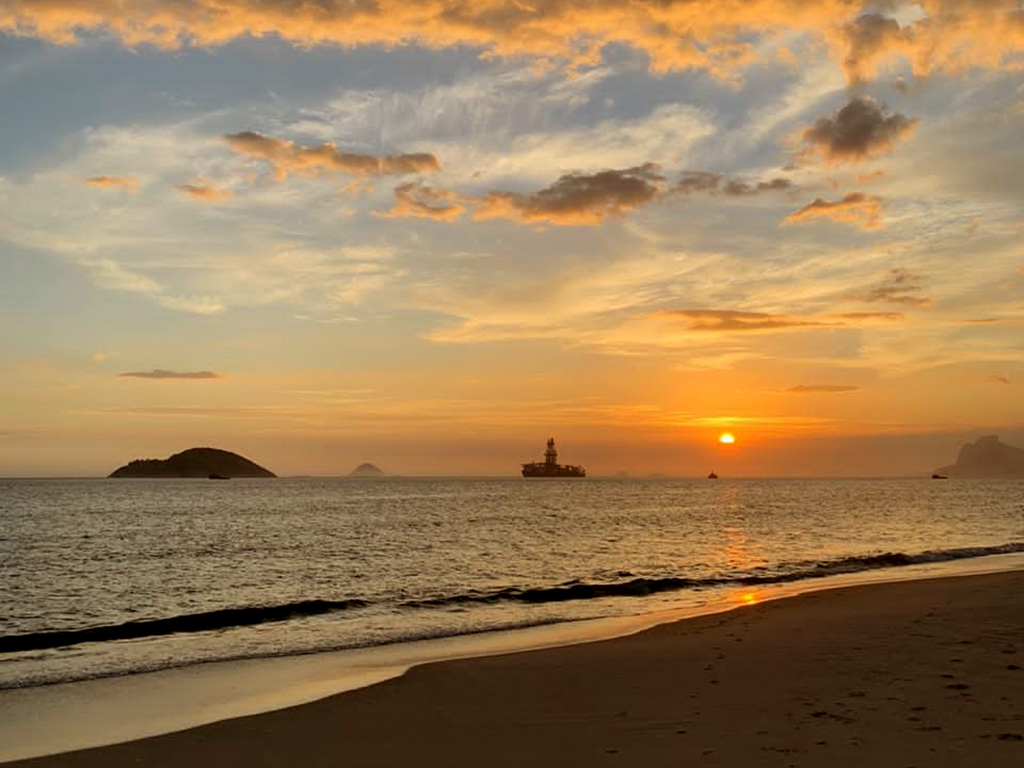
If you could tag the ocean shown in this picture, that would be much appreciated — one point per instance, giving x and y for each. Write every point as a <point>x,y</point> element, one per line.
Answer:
<point>109,577</point>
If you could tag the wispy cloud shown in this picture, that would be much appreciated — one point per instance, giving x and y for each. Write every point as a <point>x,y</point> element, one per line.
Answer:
<point>286,158</point>
<point>205,193</point>
<point>127,184</point>
<point>422,201</point>
<point>900,286</point>
<point>821,389</point>
<point>856,209</point>
<point>160,373</point>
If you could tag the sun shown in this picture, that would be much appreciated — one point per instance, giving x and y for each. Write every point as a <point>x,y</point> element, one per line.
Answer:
<point>727,438</point>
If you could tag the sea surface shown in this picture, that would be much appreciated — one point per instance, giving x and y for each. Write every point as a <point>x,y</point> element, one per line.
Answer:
<point>108,577</point>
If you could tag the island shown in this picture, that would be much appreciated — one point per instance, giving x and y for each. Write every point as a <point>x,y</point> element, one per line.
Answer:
<point>366,469</point>
<point>986,457</point>
<point>195,462</point>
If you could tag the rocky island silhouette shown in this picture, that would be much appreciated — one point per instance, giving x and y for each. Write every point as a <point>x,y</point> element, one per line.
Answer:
<point>212,463</point>
<point>985,457</point>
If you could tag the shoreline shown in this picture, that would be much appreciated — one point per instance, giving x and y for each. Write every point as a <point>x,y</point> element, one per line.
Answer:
<point>910,673</point>
<point>59,718</point>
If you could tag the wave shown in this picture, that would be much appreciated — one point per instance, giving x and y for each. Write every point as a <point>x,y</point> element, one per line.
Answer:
<point>225,618</point>
<point>229,618</point>
<point>787,572</point>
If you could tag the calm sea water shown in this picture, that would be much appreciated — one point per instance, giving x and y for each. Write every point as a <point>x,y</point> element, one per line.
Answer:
<point>106,577</point>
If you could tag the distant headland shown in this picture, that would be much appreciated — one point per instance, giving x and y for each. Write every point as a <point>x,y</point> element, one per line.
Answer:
<point>195,462</point>
<point>366,469</point>
<point>986,457</point>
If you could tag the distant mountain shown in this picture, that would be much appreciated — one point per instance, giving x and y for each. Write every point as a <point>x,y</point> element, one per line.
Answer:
<point>195,462</point>
<point>366,469</point>
<point>986,457</point>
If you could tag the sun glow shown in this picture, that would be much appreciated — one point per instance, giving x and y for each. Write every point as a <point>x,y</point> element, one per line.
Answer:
<point>727,438</point>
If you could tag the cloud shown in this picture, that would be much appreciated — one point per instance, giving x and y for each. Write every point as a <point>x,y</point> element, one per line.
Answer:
<point>821,389</point>
<point>578,199</point>
<point>856,209</point>
<point>948,37</point>
<point>900,286</point>
<point>159,373</point>
<point>734,320</point>
<point>205,193</point>
<point>703,182</point>
<point>723,38</point>
<point>195,305</point>
<point>128,184</point>
<point>729,320</point>
<point>109,274</point>
<point>859,131</point>
<point>995,379</point>
<point>285,158</point>
<point>419,200</point>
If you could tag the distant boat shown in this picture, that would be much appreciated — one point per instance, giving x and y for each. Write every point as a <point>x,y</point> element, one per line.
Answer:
<point>215,476</point>
<point>550,466</point>
<point>937,476</point>
<point>712,476</point>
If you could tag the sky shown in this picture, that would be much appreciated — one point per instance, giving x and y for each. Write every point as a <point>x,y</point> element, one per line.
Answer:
<point>431,234</point>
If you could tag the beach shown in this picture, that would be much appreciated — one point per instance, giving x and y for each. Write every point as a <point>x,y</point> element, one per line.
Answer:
<point>916,673</point>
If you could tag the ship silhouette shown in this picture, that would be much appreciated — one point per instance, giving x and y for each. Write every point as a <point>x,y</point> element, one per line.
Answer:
<point>550,466</point>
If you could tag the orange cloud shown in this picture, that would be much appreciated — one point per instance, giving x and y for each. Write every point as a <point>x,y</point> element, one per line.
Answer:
<point>419,200</point>
<point>712,35</point>
<point>856,209</point>
<point>861,130</point>
<point>577,199</point>
<point>285,158</point>
<point>127,183</point>
<point>730,320</point>
<point>734,320</point>
<point>821,389</point>
<point>205,193</point>
<point>159,373</point>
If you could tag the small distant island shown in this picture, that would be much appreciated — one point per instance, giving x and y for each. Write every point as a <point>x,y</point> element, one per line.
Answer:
<point>366,469</point>
<point>986,457</point>
<point>195,462</point>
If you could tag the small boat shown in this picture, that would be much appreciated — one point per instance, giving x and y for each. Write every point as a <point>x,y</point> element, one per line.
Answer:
<point>937,476</point>
<point>215,476</point>
<point>712,476</point>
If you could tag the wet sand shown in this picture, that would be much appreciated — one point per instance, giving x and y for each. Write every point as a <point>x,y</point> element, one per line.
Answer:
<point>923,673</point>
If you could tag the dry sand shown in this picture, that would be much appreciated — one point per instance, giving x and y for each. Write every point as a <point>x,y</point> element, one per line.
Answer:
<point>922,673</point>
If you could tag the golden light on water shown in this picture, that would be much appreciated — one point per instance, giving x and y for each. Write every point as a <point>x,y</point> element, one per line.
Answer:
<point>727,438</point>
<point>749,598</point>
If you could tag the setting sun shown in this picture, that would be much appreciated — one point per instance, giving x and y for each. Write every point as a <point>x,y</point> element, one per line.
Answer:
<point>727,438</point>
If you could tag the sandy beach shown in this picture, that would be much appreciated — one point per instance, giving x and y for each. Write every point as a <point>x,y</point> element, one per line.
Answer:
<point>922,673</point>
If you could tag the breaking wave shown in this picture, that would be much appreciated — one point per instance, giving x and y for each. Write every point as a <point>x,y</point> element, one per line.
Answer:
<point>229,618</point>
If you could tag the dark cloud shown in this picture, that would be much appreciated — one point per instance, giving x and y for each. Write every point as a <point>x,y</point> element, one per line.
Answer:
<point>704,182</point>
<point>998,380</point>
<point>900,286</point>
<point>158,373</point>
<point>855,208</point>
<point>821,389</point>
<point>577,198</point>
<point>861,130</point>
<point>286,157</point>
